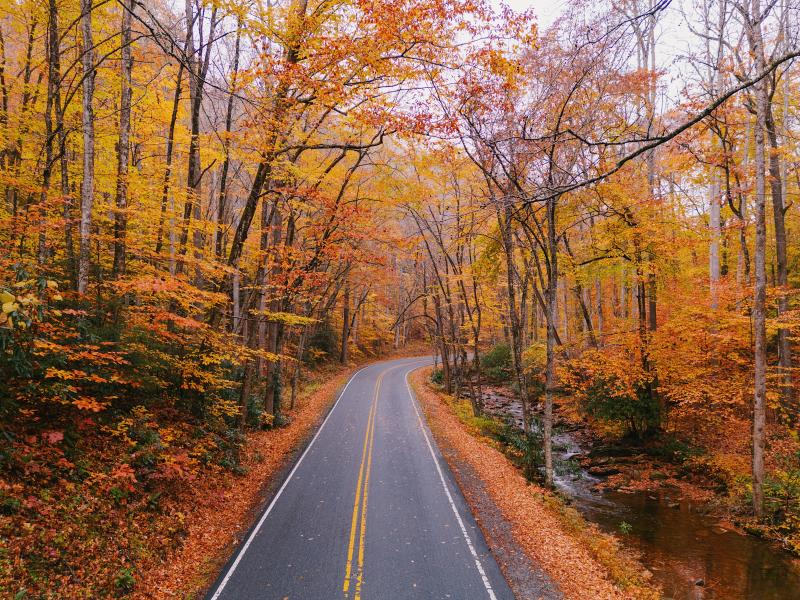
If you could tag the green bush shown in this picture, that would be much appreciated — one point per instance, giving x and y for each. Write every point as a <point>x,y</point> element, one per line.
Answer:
<point>607,399</point>
<point>124,581</point>
<point>324,342</point>
<point>255,411</point>
<point>437,376</point>
<point>782,502</point>
<point>525,449</point>
<point>483,424</point>
<point>9,505</point>
<point>674,450</point>
<point>496,364</point>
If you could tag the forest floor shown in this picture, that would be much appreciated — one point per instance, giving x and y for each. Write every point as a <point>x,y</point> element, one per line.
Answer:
<point>582,561</point>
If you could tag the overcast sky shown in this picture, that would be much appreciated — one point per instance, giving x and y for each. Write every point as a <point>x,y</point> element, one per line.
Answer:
<point>674,36</point>
<point>546,10</point>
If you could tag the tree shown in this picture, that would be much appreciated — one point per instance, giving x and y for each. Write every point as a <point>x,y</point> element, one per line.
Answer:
<point>87,121</point>
<point>753,17</point>
<point>123,145</point>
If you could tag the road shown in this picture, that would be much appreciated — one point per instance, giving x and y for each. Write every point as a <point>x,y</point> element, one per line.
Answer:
<point>370,511</point>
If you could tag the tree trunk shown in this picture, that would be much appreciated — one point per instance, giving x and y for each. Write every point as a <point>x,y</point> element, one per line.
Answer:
<point>447,375</point>
<point>198,70</point>
<point>583,307</point>
<point>123,145</point>
<point>275,389</point>
<point>743,259</point>
<point>168,160</point>
<point>506,234</point>
<point>716,228</point>
<point>66,192</point>
<point>87,118</point>
<point>345,324</point>
<point>600,318</point>
<point>582,303</point>
<point>652,312</point>
<point>53,81</point>
<point>782,279</point>
<point>551,306</point>
<point>753,30</point>
<point>298,367</point>
<point>223,181</point>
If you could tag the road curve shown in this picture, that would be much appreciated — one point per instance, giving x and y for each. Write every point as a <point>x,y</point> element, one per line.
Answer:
<point>369,512</point>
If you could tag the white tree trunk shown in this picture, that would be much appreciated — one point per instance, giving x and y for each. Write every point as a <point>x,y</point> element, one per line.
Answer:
<point>87,185</point>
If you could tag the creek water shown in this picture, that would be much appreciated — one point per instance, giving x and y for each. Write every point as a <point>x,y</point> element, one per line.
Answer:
<point>690,554</point>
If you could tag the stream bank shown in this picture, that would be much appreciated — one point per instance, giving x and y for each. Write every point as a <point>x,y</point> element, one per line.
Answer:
<point>692,554</point>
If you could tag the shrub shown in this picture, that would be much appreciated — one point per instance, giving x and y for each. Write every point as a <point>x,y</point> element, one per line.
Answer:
<point>638,412</point>
<point>496,364</point>
<point>525,449</point>
<point>674,450</point>
<point>481,425</point>
<point>782,502</point>
<point>322,343</point>
<point>9,505</point>
<point>614,390</point>
<point>124,581</point>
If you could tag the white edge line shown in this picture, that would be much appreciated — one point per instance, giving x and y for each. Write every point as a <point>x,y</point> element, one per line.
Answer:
<point>486,583</point>
<point>263,518</point>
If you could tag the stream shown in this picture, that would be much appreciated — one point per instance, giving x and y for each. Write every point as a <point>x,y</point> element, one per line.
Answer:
<point>690,554</point>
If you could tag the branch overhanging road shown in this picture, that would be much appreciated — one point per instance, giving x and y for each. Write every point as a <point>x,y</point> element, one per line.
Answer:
<point>370,511</point>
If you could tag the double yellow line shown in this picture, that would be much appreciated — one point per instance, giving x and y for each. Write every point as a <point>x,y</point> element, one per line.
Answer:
<point>360,503</point>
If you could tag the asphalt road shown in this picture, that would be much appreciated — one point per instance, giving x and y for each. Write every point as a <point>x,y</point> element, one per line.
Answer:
<point>370,511</point>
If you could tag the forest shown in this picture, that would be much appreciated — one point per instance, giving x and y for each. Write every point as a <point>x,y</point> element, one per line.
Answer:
<point>212,208</point>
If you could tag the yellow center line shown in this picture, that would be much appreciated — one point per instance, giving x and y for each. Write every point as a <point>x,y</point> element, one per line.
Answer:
<point>363,533</point>
<point>356,504</point>
<point>360,502</point>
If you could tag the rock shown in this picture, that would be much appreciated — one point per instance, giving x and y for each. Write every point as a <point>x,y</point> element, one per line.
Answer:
<point>603,471</point>
<point>700,582</point>
<point>611,451</point>
<point>658,476</point>
<point>673,505</point>
<point>630,460</point>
